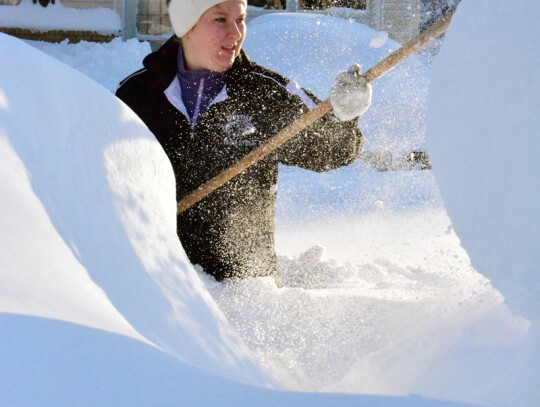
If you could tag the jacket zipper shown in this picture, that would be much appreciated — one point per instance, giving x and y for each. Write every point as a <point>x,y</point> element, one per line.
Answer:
<point>198,104</point>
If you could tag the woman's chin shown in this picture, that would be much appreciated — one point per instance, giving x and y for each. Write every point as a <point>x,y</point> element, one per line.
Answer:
<point>222,66</point>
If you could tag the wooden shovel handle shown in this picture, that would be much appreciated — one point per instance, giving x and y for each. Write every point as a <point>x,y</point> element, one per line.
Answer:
<point>297,126</point>
<point>309,118</point>
<point>409,48</point>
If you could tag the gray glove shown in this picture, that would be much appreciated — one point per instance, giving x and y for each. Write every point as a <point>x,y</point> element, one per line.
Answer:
<point>350,95</point>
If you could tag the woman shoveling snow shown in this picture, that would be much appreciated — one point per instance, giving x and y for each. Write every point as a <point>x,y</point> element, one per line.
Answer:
<point>209,106</point>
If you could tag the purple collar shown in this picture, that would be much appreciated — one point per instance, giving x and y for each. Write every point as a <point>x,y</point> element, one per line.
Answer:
<point>199,88</point>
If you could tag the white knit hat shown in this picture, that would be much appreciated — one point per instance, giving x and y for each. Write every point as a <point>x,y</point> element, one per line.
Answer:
<point>184,14</point>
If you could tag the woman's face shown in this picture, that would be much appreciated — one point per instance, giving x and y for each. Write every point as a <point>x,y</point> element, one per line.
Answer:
<point>215,41</point>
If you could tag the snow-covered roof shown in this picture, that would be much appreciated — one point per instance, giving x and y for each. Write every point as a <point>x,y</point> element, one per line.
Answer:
<point>58,17</point>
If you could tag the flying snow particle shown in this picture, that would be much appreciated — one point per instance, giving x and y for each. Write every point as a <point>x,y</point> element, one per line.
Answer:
<point>379,40</point>
<point>3,101</point>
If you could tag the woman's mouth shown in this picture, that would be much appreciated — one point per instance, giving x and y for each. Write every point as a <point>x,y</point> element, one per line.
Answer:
<point>228,49</point>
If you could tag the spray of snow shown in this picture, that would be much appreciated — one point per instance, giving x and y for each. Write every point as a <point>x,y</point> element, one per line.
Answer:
<point>312,49</point>
<point>379,40</point>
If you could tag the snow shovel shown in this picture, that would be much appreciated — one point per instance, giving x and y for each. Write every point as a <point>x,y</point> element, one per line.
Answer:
<point>309,118</point>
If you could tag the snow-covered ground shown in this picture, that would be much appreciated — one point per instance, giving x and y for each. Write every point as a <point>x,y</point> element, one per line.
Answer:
<point>379,297</point>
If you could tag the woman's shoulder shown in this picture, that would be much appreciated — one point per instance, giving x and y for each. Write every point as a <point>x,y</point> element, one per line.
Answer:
<point>134,77</point>
<point>261,76</point>
<point>159,68</point>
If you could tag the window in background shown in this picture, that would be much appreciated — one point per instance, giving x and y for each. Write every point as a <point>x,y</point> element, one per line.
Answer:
<point>153,17</point>
<point>324,4</point>
<point>269,4</point>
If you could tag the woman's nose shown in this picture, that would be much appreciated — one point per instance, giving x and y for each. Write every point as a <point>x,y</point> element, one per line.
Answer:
<point>234,31</point>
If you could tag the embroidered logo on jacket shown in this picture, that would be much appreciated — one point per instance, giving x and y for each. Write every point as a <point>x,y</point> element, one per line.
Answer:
<point>238,129</point>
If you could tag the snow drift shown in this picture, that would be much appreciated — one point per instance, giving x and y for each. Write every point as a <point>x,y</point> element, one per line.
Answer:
<point>88,226</point>
<point>485,119</point>
<point>484,122</point>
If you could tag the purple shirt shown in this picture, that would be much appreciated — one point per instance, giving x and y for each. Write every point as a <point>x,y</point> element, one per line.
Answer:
<point>199,88</point>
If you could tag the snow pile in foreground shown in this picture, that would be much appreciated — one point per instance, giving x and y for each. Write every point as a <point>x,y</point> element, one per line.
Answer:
<point>58,17</point>
<point>484,122</point>
<point>88,232</point>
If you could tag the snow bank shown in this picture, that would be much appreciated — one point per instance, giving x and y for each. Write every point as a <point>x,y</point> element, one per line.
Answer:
<point>312,48</point>
<point>484,123</point>
<point>89,235</point>
<point>58,17</point>
<point>484,120</point>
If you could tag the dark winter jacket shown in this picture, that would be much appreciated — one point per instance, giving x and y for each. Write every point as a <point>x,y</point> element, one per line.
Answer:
<point>231,231</point>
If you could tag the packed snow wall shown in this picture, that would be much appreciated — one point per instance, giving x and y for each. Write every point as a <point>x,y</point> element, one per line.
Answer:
<point>483,140</point>
<point>484,123</point>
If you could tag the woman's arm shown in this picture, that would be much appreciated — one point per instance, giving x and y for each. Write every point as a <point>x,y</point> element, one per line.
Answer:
<point>327,144</point>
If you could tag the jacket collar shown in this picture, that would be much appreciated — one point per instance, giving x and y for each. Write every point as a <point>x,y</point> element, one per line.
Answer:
<point>163,64</point>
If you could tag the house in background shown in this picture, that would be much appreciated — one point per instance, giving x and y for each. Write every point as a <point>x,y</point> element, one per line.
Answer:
<point>56,20</point>
<point>148,19</point>
<point>400,18</point>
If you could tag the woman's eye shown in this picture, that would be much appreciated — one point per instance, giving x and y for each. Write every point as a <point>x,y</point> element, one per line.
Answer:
<point>220,19</point>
